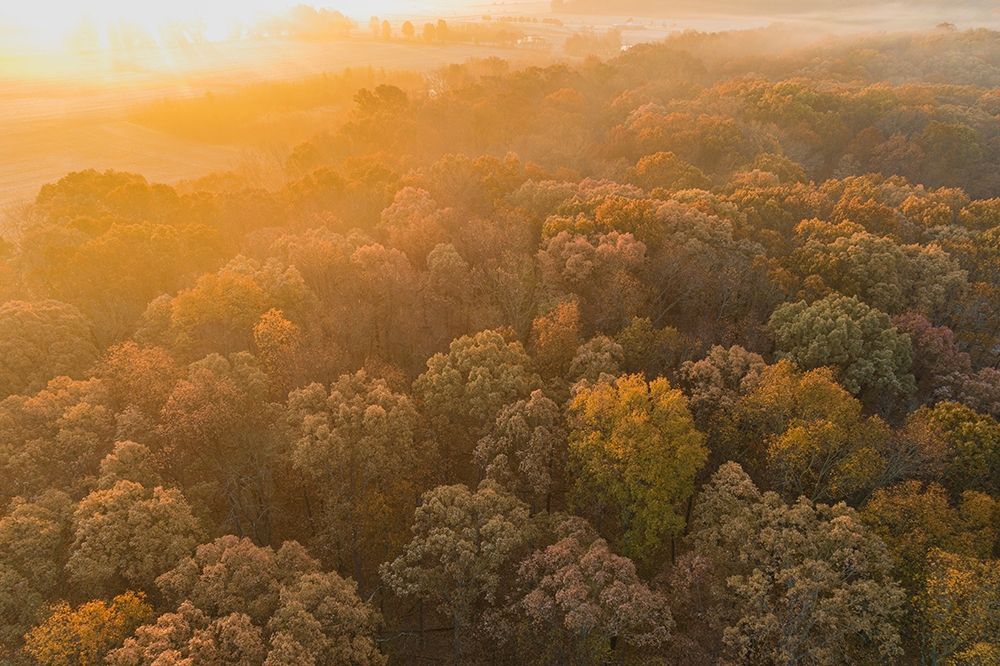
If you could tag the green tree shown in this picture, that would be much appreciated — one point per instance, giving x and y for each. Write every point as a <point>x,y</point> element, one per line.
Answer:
<point>462,392</point>
<point>871,357</point>
<point>655,352</point>
<point>887,276</point>
<point>597,358</point>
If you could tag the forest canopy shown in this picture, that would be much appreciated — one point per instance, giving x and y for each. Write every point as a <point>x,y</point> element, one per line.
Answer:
<point>690,355</point>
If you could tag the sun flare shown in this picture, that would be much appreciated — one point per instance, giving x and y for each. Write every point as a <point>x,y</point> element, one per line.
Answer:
<point>51,25</point>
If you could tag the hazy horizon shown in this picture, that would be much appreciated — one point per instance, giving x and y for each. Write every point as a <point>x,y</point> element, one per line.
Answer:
<point>48,25</point>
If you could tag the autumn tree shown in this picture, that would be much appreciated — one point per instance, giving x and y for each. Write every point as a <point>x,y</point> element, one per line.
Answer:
<point>462,391</point>
<point>666,171</point>
<point>940,368</point>
<point>414,223</point>
<point>219,312</point>
<point>525,450</point>
<point>217,432</point>
<point>981,391</point>
<point>555,336</point>
<point>714,383</point>
<point>33,543</point>
<point>386,282</point>
<point>599,271</point>
<point>913,518</point>
<point>971,443</point>
<point>129,461</point>
<point>702,272</point>
<point>465,545</point>
<point>807,435</point>
<point>451,292</point>
<point>805,582</point>
<point>634,453</point>
<point>360,447</point>
<point>871,357</point>
<point>137,379</point>
<point>597,358</point>
<point>40,340</point>
<point>278,343</point>
<point>86,633</point>
<point>128,535</point>
<point>55,438</point>
<point>960,609</point>
<point>586,603</point>
<point>240,603</point>
<point>112,268</point>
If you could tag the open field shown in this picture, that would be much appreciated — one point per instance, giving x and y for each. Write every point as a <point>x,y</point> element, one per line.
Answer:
<point>52,127</point>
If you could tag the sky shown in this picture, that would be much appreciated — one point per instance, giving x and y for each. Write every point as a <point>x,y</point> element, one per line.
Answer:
<point>906,12</point>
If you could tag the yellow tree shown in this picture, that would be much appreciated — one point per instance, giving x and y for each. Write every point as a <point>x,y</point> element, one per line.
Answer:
<point>972,443</point>
<point>960,609</point>
<point>810,432</point>
<point>85,634</point>
<point>913,518</point>
<point>634,454</point>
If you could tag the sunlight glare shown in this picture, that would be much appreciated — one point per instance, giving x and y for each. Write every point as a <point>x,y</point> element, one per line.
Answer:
<point>99,24</point>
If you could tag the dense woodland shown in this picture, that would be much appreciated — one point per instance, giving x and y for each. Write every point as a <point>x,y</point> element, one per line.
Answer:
<point>689,356</point>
